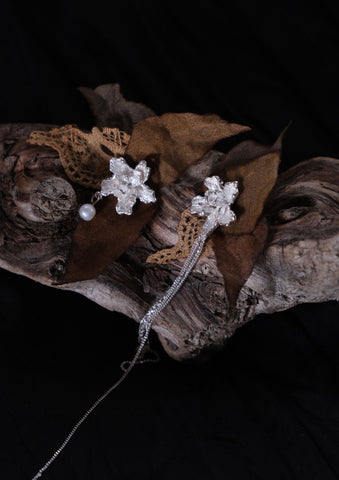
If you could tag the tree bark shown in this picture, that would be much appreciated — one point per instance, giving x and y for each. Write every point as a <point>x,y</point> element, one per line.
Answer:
<point>299,264</point>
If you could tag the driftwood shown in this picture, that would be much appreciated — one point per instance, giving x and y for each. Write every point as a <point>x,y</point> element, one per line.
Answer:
<point>299,264</point>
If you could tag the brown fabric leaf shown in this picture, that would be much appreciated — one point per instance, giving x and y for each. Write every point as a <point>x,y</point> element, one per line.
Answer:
<point>189,228</point>
<point>179,139</point>
<point>255,167</point>
<point>95,244</point>
<point>236,256</point>
<point>110,109</point>
<point>84,156</point>
<point>237,246</point>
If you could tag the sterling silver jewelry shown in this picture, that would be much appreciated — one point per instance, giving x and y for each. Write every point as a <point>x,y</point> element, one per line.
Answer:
<point>215,206</point>
<point>126,183</point>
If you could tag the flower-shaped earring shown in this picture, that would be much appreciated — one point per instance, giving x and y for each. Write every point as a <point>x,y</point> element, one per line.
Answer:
<point>126,183</point>
<point>215,206</point>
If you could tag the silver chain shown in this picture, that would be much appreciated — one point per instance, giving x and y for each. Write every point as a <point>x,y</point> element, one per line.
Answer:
<point>144,331</point>
<point>90,410</point>
<point>148,320</point>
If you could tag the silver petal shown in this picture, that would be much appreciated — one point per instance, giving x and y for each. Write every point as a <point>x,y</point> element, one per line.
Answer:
<point>213,183</point>
<point>147,195</point>
<point>107,187</point>
<point>119,166</point>
<point>230,192</point>
<point>198,205</point>
<point>125,205</point>
<point>144,169</point>
<point>225,215</point>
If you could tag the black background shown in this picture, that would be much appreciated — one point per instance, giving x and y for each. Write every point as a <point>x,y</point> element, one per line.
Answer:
<point>267,407</point>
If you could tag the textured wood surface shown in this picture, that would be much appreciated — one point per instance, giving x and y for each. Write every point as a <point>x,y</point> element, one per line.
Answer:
<point>299,264</point>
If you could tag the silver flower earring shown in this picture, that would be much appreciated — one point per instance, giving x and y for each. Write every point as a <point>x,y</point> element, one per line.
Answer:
<point>215,206</point>
<point>126,183</point>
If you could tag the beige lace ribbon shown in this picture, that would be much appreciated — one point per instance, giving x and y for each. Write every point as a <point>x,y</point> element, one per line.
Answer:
<point>84,156</point>
<point>189,228</point>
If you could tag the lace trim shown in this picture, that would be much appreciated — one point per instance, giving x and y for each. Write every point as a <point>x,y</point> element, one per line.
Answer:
<point>84,156</point>
<point>189,228</point>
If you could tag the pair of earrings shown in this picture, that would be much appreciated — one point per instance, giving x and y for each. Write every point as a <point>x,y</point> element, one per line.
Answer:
<point>129,185</point>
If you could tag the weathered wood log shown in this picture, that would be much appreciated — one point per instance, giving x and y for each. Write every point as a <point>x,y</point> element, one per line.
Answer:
<point>299,264</point>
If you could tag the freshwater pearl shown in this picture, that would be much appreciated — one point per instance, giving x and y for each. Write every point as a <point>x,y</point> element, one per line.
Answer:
<point>87,212</point>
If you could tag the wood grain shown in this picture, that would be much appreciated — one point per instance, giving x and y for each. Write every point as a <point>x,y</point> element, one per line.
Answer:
<point>299,264</point>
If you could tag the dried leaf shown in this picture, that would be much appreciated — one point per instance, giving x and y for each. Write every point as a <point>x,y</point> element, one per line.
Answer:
<point>179,139</point>
<point>110,109</point>
<point>255,167</point>
<point>237,246</point>
<point>95,244</point>
<point>188,230</point>
<point>84,156</point>
<point>236,256</point>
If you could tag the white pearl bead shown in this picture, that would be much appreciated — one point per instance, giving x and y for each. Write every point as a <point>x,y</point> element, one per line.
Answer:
<point>87,212</point>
